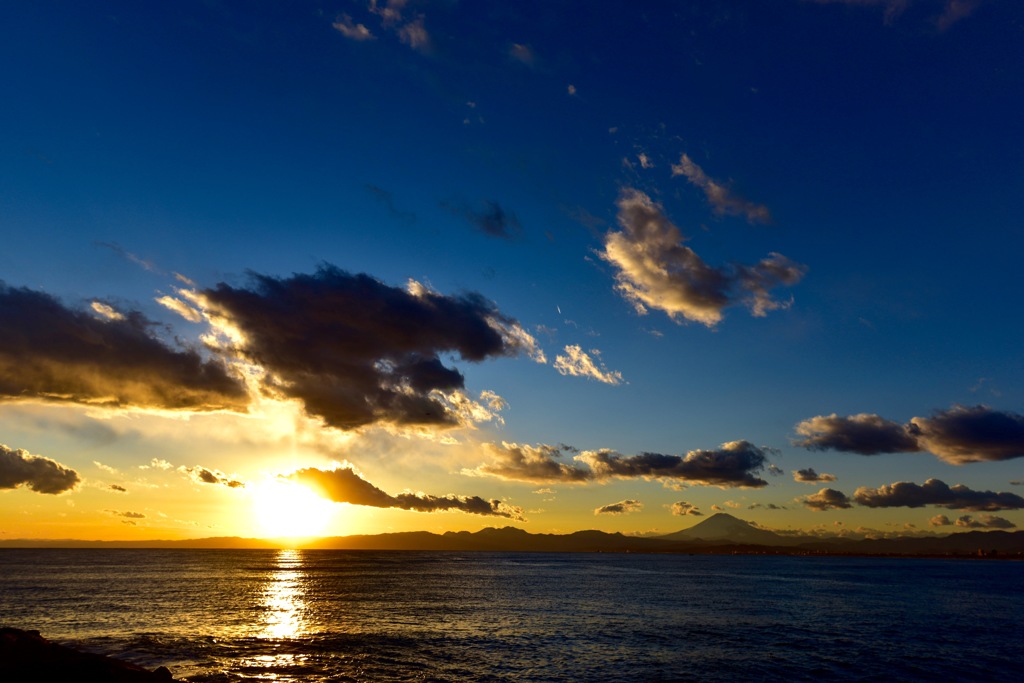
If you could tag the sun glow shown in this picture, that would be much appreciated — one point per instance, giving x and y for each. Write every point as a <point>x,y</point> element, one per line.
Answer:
<point>283,509</point>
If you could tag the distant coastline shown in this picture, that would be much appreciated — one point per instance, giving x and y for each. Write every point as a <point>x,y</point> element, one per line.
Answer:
<point>720,535</point>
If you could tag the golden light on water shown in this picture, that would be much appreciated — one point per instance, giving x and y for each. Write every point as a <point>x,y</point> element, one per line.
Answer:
<point>283,598</point>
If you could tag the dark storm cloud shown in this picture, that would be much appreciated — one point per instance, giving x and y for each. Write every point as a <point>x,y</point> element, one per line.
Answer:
<point>865,434</point>
<point>21,468</point>
<point>490,219</point>
<point>50,352</point>
<point>958,435</point>
<point>984,522</point>
<point>825,499</point>
<point>937,493</point>
<point>656,270</point>
<point>201,475</point>
<point>359,352</point>
<point>809,476</point>
<point>623,507</point>
<point>734,464</point>
<point>540,464</point>
<point>343,485</point>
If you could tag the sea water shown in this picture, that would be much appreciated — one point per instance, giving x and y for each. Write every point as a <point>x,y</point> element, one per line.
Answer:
<point>311,616</point>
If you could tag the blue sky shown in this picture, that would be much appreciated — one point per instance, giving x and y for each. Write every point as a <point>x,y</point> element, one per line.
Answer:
<point>727,218</point>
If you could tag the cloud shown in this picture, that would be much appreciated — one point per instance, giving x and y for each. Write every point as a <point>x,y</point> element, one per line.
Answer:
<point>970,434</point>
<point>21,468</point>
<point>682,509</point>
<point>721,198</point>
<point>181,308</point>
<point>415,35</point>
<point>127,514</point>
<point>49,352</point>
<point>352,31</point>
<point>937,493</point>
<point>734,464</point>
<point>958,436</point>
<point>985,522</point>
<point>939,520</point>
<point>490,219</point>
<point>952,10</point>
<point>119,489</point>
<point>766,506</point>
<point>128,256</point>
<point>384,197</point>
<point>865,433</point>
<point>655,270</point>
<point>809,476</point>
<point>825,499</point>
<point>201,475</point>
<point>344,485</point>
<point>106,468</point>
<point>524,54</point>
<point>358,352</point>
<point>623,507</point>
<point>536,464</point>
<point>578,363</point>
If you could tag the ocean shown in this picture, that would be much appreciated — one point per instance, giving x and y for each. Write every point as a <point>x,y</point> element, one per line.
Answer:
<point>329,615</point>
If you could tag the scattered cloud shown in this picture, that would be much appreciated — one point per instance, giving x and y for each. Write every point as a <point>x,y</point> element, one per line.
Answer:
<point>865,434</point>
<point>734,464</point>
<point>358,352</point>
<point>766,506</point>
<point>809,476</point>
<point>201,475</point>
<point>119,489</point>
<point>344,485</point>
<point>127,514</point>
<point>415,35</point>
<point>936,493</point>
<point>346,27</point>
<point>106,468</point>
<point>49,352</point>
<point>949,11</point>
<point>128,256</point>
<point>490,219</point>
<point>970,434</point>
<point>939,520</point>
<point>536,464</point>
<point>571,89</point>
<point>181,308</point>
<point>721,198</point>
<point>525,55</point>
<point>623,507</point>
<point>387,200</point>
<point>682,509</point>
<point>958,436</point>
<point>43,475</point>
<point>825,499</point>
<point>984,522</point>
<point>157,464</point>
<point>578,363</point>
<point>655,269</point>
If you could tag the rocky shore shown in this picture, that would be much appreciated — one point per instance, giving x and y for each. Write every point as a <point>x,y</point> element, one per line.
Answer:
<point>27,657</point>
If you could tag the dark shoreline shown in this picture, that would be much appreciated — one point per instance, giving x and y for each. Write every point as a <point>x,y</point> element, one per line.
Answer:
<point>28,657</point>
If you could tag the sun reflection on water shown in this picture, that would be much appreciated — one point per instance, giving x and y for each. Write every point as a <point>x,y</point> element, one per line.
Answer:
<point>283,598</point>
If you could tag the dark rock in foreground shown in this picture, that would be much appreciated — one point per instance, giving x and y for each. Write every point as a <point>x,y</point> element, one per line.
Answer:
<point>25,656</point>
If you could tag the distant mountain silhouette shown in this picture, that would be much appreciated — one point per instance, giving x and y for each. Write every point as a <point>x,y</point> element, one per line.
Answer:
<point>723,527</point>
<point>720,533</point>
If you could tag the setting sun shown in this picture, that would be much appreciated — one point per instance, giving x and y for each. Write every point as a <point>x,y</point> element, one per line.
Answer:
<point>283,509</point>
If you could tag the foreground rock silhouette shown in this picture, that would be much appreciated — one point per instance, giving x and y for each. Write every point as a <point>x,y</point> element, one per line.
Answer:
<point>25,656</point>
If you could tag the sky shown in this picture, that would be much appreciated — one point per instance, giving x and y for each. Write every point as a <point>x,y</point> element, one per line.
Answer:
<point>330,268</point>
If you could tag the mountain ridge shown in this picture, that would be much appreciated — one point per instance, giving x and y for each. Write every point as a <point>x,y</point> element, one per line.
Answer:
<point>721,533</point>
